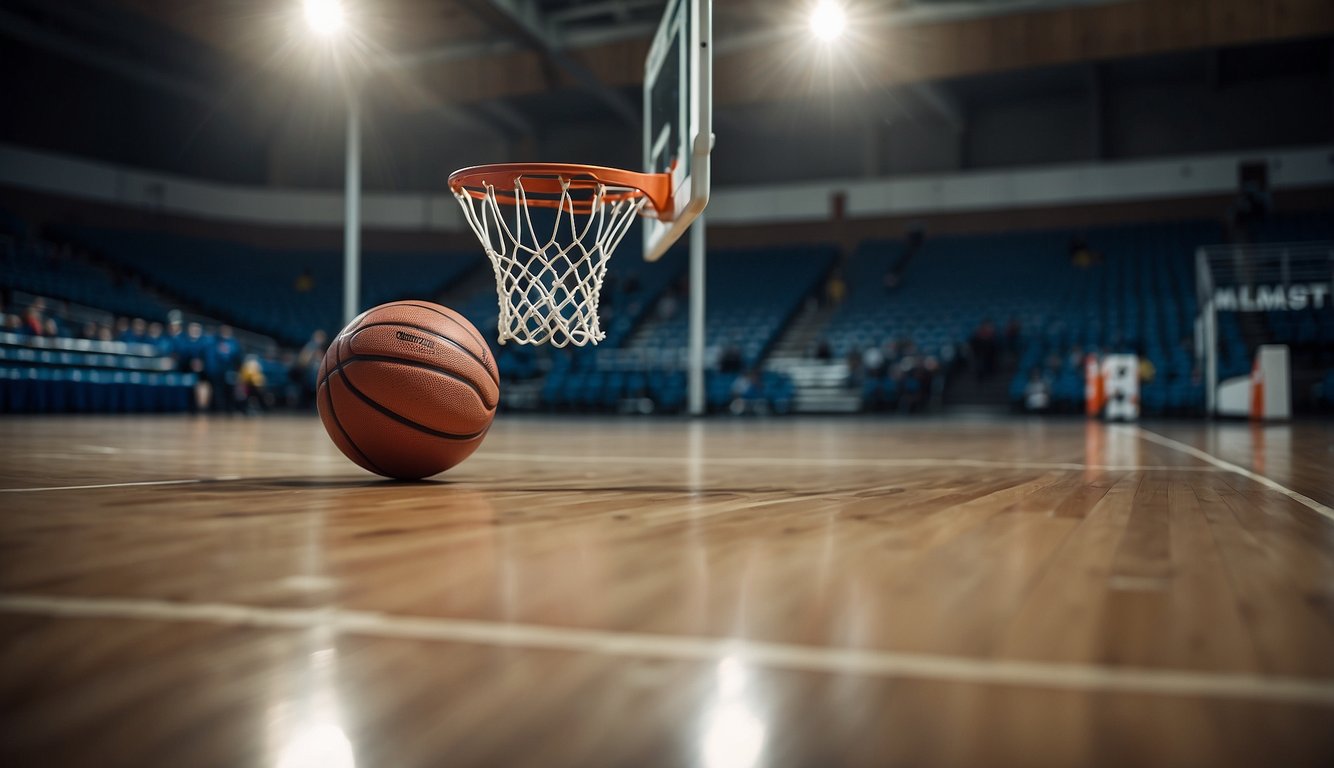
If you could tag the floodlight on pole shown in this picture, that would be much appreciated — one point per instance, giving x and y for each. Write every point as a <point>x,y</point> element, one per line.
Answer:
<point>325,17</point>
<point>828,20</point>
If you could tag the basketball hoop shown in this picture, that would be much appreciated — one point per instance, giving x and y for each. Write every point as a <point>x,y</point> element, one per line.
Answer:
<point>548,284</point>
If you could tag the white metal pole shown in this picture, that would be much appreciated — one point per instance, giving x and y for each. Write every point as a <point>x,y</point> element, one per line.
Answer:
<point>1204,294</point>
<point>695,361</point>
<point>352,215</point>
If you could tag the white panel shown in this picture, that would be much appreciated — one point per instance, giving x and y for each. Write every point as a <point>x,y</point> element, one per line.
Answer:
<point>1276,370</point>
<point>1234,397</point>
<point>258,205</point>
<point>808,201</point>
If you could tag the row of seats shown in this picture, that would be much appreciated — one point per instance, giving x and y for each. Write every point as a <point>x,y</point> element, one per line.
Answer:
<point>750,297</point>
<point>608,391</point>
<point>282,293</point>
<point>50,390</point>
<point>41,269</point>
<point>46,357</point>
<point>57,375</point>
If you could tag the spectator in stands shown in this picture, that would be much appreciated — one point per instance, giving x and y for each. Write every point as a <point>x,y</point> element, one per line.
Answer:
<point>308,366</point>
<point>730,360</point>
<point>157,337</point>
<point>192,349</point>
<point>13,324</point>
<point>137,332</point>
<point>985,348</point>
<point>104,332</point>
<point>34,318</point>
<point>122,329</point>
<point>221,363</point>
<point>88,331</point>
<point>1037,393</point>
<point>290,393</point>
<point>1147,371</point>
<point>746,393</point>
<point>251,394</point>
<point>873,359</point>
<point>176,342</point>
<point>836,289</point>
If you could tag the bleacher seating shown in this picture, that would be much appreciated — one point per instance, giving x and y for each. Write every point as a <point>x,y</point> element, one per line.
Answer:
<point>750,296</point>
<point>41,269</point>
<point>58,375</point>
<point>1137,294</point>
<point>255,288</point>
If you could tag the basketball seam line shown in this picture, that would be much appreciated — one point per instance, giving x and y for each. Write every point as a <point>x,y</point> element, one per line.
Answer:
<point>333,412</point>
<point>424,366</point>
<point>426,306</point>
<point>440,336</point>
<point>476,337</point>
<point>405,421</point>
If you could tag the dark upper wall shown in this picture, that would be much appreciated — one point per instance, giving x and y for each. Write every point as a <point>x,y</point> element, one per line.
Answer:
<point>1271,96</point>
<point>248,130</point>
<point>56,103</point>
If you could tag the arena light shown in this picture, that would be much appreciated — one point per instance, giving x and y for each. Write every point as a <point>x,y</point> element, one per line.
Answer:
<point>828,20</point>
<point>325,17</point>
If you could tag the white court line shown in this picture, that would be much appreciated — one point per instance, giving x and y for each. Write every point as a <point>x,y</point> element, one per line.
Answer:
<point>1082,677</point>
<point>176,451</point>
<point>825,462</point>
<point>1191,450</point>
<point>187,481</point>
<point>925,463</point>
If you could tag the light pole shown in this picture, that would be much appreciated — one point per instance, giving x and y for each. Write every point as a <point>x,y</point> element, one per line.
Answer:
<point>352,210</point>
<point>328,22</point>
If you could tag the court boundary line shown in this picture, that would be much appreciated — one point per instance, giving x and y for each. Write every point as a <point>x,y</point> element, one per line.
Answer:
<point>1228,466</point>
<point>792,657</point>
<point>816,461</point>
<point>919,463</point>
<point>130,484</point>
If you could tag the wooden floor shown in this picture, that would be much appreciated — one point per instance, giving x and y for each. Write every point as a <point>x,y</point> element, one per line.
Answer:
<point>584,592</point>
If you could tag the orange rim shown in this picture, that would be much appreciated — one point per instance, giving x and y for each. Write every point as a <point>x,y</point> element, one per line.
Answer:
<point>544,184</point>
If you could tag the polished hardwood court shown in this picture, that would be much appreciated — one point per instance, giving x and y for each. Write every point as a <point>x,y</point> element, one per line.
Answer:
<point>644,592</point>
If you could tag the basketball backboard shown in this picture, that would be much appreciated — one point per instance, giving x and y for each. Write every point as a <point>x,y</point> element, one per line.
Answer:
<point>678,117</point>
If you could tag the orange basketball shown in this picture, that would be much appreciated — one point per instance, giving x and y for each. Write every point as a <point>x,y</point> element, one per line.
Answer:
<point>408,389</point>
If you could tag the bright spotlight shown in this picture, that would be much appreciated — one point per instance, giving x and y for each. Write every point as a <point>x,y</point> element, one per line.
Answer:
<point>828,20</point>
<point>325,17</point>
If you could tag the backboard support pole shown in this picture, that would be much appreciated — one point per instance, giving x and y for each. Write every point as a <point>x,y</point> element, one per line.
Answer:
<point>695,360</point>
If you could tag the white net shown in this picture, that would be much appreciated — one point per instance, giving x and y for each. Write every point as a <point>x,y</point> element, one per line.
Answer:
<point>549,273</point>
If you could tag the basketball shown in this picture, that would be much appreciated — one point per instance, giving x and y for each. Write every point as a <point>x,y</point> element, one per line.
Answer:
<point>408,389</point>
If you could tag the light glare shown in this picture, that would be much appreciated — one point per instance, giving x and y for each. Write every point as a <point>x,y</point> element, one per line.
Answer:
<point>325,17</point>
<point>828,20</point>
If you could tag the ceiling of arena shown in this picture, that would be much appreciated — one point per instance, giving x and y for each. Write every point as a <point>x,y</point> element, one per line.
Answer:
<point>444,72</point>
<point>458,53</point>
